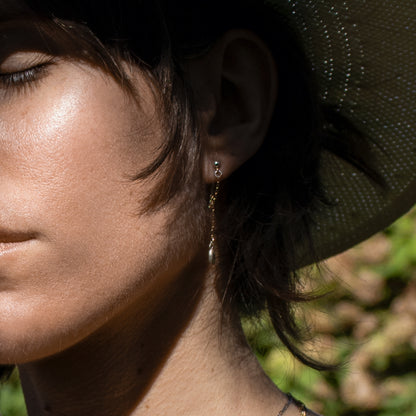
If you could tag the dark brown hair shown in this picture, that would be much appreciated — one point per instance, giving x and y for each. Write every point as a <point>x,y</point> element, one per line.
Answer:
<point>265,207</point>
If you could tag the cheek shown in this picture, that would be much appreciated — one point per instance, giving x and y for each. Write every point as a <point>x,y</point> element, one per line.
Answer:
<point>66,161</point>
<point>67,153</point>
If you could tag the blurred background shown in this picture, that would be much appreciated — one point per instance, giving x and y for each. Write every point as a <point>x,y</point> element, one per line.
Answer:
<point>366,321</point>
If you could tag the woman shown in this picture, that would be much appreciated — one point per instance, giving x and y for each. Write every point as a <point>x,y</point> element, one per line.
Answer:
<point>167,166</point>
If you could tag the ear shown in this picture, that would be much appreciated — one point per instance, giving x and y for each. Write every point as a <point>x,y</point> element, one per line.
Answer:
<point>235,86</point>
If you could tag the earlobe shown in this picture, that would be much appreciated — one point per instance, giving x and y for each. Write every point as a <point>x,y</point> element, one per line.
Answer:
<point>235,86</point>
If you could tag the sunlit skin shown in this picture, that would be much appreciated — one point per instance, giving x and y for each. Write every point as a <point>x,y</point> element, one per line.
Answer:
<point>70,143</point>
<point>106,309</point>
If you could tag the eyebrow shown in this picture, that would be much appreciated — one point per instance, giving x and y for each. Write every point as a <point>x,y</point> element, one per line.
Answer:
<point>22,35</point>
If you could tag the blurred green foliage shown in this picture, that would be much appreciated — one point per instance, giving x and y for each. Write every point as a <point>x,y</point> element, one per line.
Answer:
<point>11,398</point>
<point>402,258</point>
<point>367,322</point>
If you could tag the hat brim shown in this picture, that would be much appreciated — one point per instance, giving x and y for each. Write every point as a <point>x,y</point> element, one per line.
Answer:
<point>364,55</point>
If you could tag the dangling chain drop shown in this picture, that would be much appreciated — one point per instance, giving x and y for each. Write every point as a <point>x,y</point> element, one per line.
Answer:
<point>211,207</point>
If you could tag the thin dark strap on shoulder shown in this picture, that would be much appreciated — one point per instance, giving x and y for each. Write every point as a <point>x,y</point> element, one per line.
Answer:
<point>303,411</point>
<point>287,404</point>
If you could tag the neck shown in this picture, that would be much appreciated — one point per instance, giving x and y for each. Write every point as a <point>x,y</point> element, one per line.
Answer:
<point>182,359</point>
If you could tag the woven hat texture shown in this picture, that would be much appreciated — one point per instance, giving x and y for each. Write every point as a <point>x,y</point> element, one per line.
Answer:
<point>364,55</point>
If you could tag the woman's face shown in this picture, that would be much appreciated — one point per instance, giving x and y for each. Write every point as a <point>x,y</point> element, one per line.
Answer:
<point>73,246</point>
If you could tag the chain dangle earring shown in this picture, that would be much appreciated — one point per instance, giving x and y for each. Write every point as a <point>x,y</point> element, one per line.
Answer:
<point>211,207</point>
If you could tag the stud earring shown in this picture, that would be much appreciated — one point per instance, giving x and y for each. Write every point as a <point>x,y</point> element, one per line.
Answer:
<point>211,207</point>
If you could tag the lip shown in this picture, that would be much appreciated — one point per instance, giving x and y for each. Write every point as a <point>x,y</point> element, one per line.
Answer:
<point>11,240</point>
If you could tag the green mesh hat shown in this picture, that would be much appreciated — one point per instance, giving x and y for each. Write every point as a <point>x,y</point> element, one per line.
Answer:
<point>364,55</point>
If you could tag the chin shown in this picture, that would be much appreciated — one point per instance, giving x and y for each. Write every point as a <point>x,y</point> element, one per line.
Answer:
<point>23,341</point>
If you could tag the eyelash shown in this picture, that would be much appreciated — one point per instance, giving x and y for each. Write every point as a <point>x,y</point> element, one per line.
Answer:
<point>24,78</point>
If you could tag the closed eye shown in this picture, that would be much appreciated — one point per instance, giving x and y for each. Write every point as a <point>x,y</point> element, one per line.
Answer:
<point>17,73</point>
<point>18,78</point>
